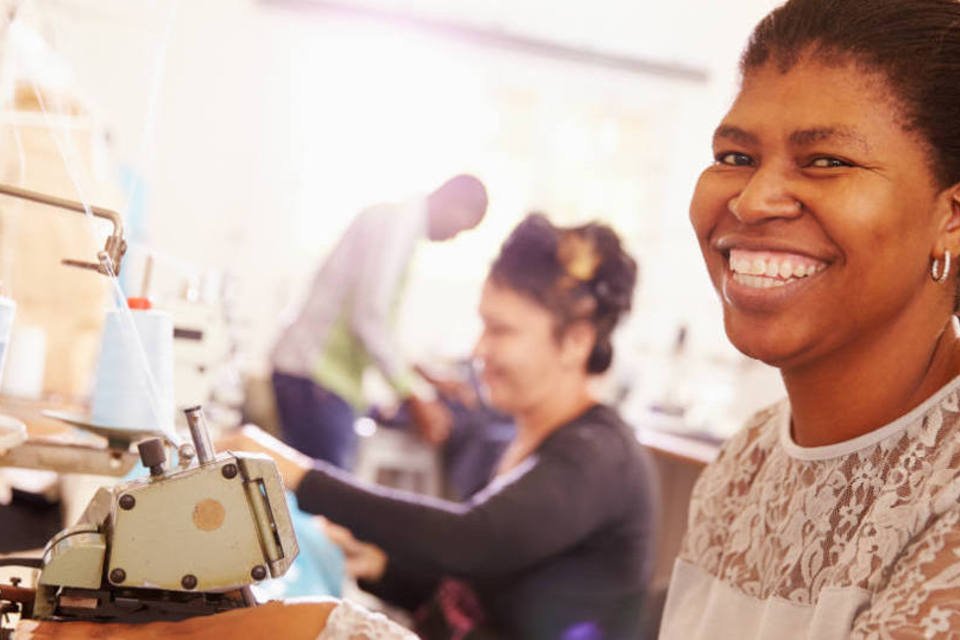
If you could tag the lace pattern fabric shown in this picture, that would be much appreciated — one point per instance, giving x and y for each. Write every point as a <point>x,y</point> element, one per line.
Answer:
<point>883,518</point>
<point>349,621</point>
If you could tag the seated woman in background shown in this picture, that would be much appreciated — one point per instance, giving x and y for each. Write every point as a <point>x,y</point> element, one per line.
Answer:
<point>559,544</point>
<point>829,224</point>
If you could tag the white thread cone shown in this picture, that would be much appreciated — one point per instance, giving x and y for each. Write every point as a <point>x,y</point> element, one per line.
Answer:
<point>123,394</point>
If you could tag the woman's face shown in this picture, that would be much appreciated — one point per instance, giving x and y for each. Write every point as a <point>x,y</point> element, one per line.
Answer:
<point>852,263</point>
<point>522,359</point>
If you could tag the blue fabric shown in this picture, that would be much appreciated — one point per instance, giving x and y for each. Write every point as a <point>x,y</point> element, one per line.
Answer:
<point>317,571</point>
<point>315,421</point>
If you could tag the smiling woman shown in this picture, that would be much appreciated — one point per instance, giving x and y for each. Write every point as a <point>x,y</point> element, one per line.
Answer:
<point>827,223</point>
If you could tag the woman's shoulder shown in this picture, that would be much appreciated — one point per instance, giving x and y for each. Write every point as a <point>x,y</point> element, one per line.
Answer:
<point>599,432</point>
<point>761,431</point>
<point>746,452</point>
<point>599,422</point>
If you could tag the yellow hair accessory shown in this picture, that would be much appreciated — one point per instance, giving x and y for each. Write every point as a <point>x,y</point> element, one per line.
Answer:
<point>578,256</point>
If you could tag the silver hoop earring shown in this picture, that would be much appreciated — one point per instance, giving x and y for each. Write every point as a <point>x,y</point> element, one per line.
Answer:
<point>940,276</point>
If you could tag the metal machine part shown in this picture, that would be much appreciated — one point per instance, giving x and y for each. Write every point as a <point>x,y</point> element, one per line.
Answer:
<point>199,433</point>
<point>184,541</point>
<point>69,458</point>
<point>115,459</point>
<point>108,260</point>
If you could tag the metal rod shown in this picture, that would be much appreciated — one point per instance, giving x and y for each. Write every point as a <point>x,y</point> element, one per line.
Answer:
<point>147,275</point>
<point>115,245</point>
<point>200,434</point>
<point>63,203</point>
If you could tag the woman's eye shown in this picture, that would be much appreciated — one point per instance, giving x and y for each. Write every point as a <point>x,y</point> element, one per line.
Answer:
<point>734,159</point>
<point>828,163</point>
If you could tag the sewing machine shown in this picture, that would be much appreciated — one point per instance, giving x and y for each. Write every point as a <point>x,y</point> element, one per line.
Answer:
<point>189,539</point>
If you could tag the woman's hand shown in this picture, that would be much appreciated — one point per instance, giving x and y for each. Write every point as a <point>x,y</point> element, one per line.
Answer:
<point>364,561</point>
<point>292,464</point>
<point>450,388</point>
<point>432,419</point>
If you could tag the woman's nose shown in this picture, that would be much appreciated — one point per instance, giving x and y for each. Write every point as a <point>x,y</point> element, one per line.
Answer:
<point>479,349</point>
<point>766,196</point>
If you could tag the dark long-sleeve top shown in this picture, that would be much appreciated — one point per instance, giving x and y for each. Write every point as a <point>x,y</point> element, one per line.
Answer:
<point>559,547</point>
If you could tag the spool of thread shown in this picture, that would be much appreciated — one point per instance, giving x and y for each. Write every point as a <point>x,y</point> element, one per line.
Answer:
<point>26,357</point>
<point>135,342</point>
<point>8,309</point>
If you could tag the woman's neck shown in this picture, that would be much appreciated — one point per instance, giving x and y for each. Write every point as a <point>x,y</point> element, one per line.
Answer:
<point>536,423</point>
<point>862,389</point>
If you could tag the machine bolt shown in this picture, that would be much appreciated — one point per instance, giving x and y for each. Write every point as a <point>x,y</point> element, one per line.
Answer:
<point>259,572</point>
<point>229,471</point>
<point>189,581</point>
<point>127,502</point>
<point>118,575</point>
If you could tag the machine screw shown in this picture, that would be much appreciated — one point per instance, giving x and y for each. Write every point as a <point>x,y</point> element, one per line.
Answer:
<point>229,471</point>
<point>189,581</point>
<point>186,450</point>
<point>259,572</point>
<point>118,575</point>
<point>127,502</point>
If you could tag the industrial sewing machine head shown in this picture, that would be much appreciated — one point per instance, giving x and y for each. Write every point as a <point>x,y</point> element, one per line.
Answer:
<point>184,541</point>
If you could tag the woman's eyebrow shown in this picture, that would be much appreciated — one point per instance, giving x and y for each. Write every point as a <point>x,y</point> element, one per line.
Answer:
<point>799,138</point>
<point>734,134</point>
<point>813,135</point>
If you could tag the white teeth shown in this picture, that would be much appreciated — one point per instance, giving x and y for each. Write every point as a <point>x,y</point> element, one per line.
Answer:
<point>756,267</point>
<point>744,265</point>
<point>760,282</point>
<point>782,268</point>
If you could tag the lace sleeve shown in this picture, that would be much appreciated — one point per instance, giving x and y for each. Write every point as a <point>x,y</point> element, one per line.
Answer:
<point>921,598</point>
<point>352,622</point>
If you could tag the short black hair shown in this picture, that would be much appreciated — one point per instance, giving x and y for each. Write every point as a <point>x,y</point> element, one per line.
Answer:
<point>913,44</point>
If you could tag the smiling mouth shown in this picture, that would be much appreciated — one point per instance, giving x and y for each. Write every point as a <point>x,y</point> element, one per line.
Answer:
<point>768,269</point>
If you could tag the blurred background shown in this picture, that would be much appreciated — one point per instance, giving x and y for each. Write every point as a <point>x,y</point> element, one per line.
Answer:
<point>238,138</point>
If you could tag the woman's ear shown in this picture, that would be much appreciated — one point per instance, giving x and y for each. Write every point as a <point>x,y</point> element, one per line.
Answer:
<point>577,343</point>
<point>949,234</point>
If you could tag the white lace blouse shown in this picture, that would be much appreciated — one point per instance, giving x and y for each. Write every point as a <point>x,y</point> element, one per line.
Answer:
<point>349,621</point>
<point>855,540</point>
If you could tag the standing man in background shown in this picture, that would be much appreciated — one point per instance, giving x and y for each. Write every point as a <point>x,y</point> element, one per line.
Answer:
<point>345,322</point>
